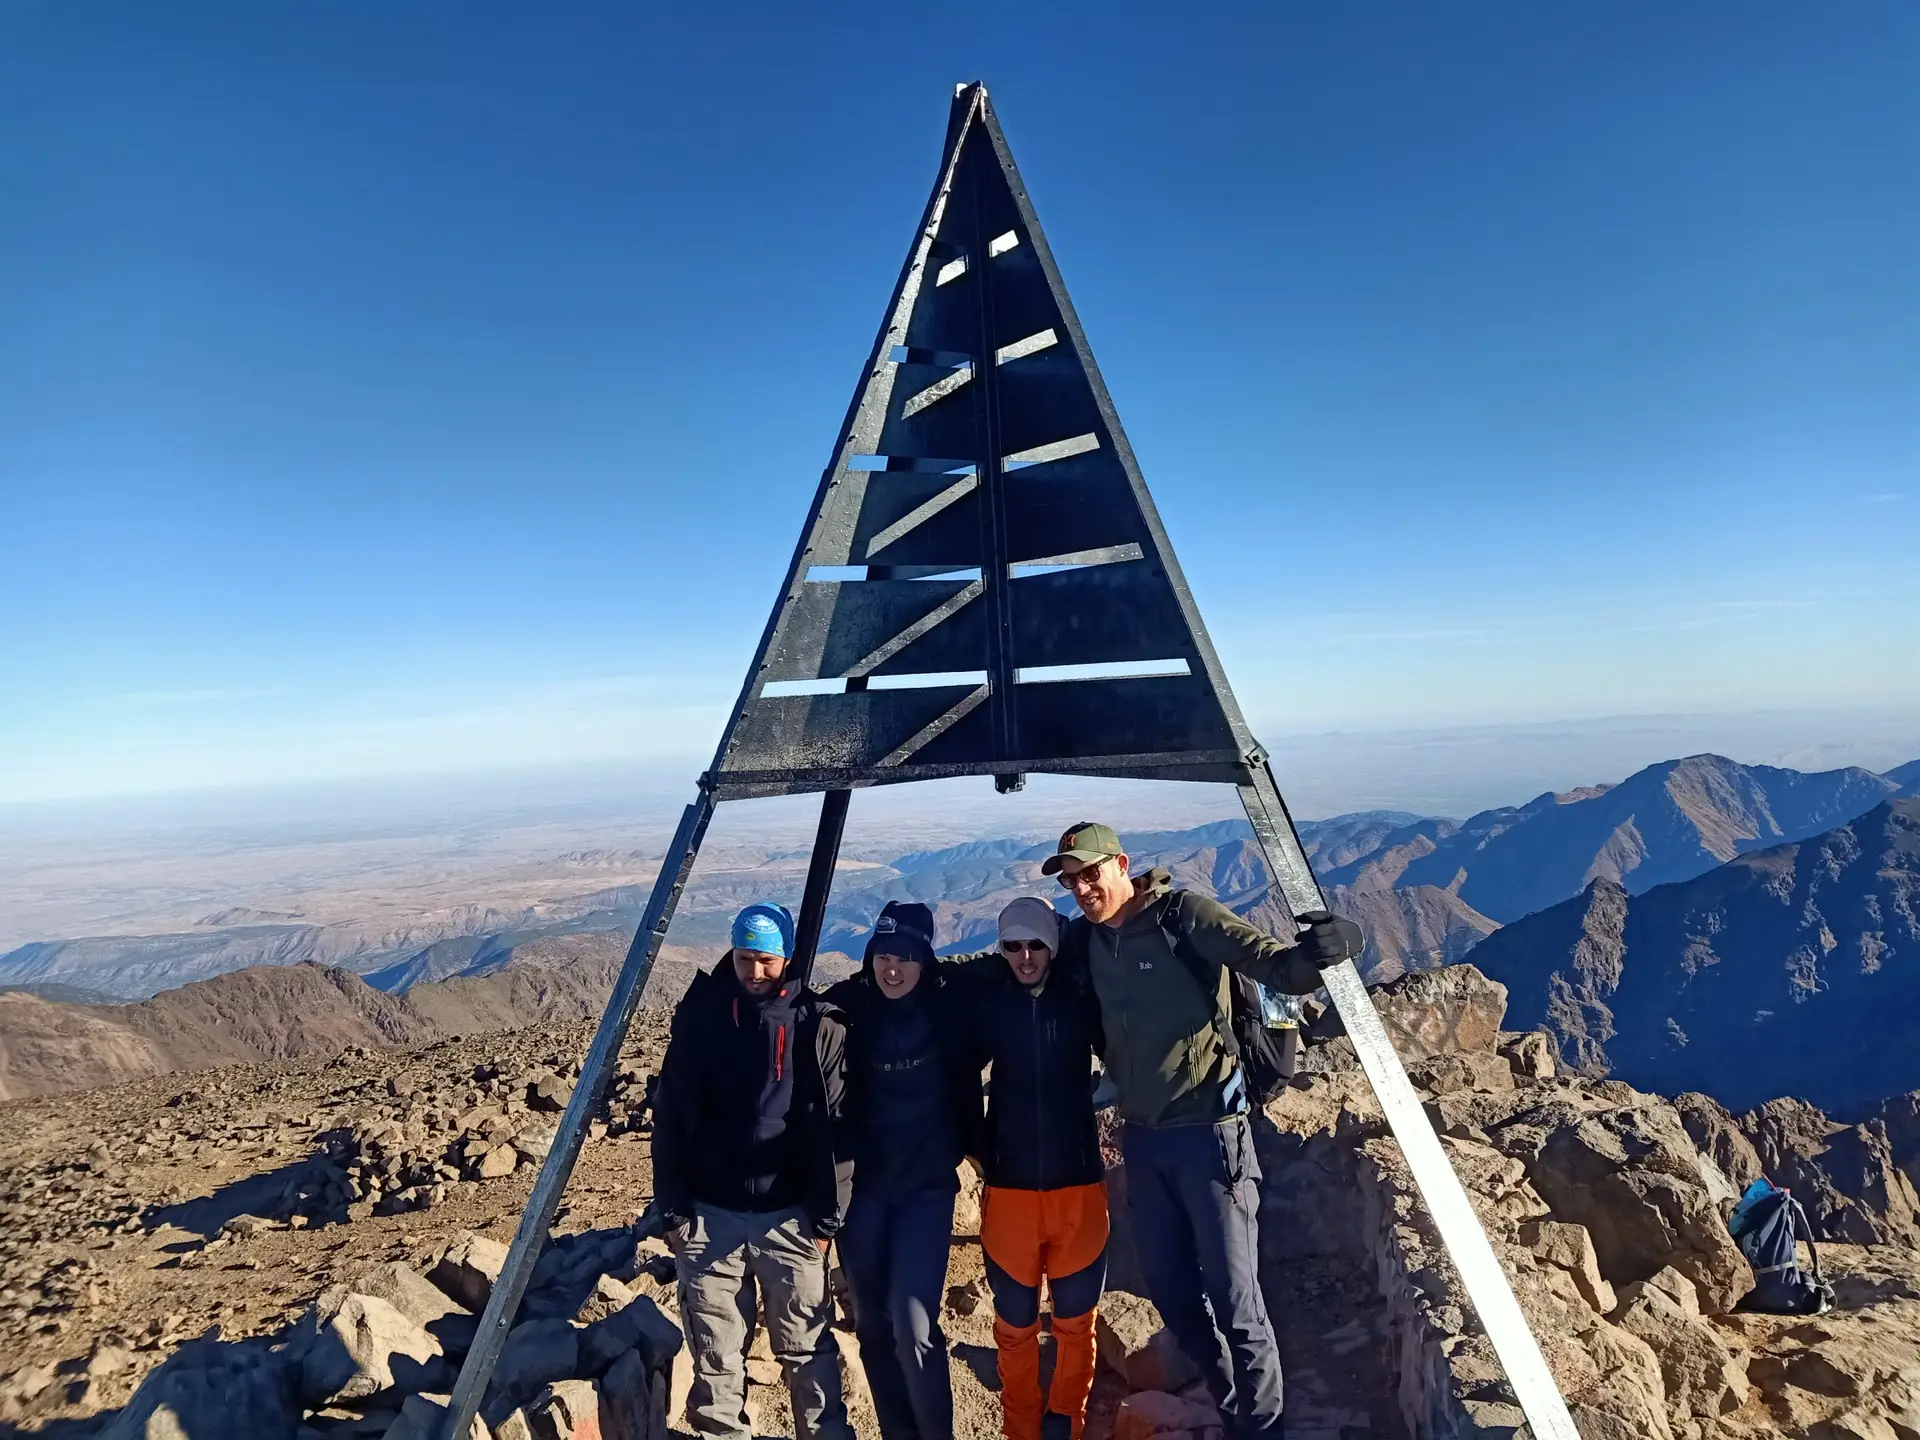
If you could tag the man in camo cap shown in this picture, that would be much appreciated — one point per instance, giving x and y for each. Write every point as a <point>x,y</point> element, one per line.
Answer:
<point>1156,959</point>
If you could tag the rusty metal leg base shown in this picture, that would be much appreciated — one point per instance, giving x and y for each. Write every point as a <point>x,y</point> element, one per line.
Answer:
<point>1460,1229</point>
<point>497,1318</point>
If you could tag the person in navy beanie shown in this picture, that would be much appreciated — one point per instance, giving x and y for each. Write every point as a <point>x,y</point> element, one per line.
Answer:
<point>914,1112</point>
<point>747,1176</point>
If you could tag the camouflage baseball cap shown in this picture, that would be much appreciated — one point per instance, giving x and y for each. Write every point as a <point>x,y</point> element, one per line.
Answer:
<point>1085,841</point>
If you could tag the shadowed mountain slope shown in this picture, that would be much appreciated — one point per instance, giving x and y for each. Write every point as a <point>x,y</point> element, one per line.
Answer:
<point>1669,822</point>
<point>1795,970</point>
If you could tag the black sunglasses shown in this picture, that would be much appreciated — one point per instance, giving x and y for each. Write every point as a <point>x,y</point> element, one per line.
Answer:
<point>1089,873</point>
<point>1032,947</point>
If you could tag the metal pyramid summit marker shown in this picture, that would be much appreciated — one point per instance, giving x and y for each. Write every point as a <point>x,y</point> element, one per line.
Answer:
<point>983,587</point>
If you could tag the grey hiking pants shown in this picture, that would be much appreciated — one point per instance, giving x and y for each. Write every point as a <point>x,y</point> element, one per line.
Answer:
<point>730,1263</point>
<point>1193,1199</point>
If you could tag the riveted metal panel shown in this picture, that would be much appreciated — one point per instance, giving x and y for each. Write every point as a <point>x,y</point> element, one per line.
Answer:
<point>840,628</point>
<point>1099,717</point>
<point>823,732</point>
<point>1096,615</point>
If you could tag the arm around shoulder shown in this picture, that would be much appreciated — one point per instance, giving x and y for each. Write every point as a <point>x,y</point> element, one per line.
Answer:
<point>831,1186</point>
<point>1224,938</point>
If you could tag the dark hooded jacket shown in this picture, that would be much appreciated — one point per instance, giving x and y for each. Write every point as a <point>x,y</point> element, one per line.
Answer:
<point>750,1100</point>
<point>1039,1131</point>
<point>1163,1047</point>
<point>913,1091</point>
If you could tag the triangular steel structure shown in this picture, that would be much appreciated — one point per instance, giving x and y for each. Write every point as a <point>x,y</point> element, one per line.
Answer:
<point>1013,604</point>
<point>983,587</point>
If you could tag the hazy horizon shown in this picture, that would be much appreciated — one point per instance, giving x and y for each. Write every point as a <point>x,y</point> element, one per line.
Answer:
<point>398,846</point>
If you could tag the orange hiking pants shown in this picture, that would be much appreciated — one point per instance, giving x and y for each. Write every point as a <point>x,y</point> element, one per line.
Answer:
<point>1059,1235</point>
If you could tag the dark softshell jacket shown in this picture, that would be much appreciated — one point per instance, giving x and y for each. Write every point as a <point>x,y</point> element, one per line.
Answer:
<point>751,1096</point>
<point>1039,1132</point>
<point>927,1156</point>
<point>1163,1047</point>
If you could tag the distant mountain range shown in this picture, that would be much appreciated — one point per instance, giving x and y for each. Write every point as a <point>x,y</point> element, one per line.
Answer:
<point>285,1012</point>
<point>1669,822</point>
<point>1794,970</point>
<point>1425,888</point>
<point>1674,939</point>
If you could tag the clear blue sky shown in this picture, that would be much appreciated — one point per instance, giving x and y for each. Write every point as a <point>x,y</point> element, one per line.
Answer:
<point>399,387</point>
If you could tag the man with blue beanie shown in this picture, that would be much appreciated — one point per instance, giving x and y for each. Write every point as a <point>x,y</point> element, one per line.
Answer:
<point>745,1170</point>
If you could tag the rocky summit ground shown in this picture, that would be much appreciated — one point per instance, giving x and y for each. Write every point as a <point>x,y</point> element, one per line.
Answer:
<point>307,1242</point>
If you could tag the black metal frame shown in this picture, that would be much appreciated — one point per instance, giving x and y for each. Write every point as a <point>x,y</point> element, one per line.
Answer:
<point>1125,590</point>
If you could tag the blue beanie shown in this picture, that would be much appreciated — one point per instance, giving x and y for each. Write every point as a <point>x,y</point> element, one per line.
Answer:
<point>764,927</point>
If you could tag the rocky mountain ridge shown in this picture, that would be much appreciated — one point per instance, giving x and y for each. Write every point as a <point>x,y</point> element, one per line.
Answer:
<point>1793,970</point>
<point>270,1013</point>
<point>330,1228</point>
<point>1668,822</point>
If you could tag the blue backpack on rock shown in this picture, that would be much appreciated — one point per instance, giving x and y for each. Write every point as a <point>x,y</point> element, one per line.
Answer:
<point>1766,1225</point>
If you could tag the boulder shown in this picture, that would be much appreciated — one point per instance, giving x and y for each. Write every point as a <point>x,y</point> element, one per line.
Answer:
<point>532,1143</point>
<point>640,1326</point>
<point>1430,1012</point>
<point>1671,1283</point>
<point>1630,1175</point>
<point>210,1390</point>
<point>1462,1071</point>
<point>469,1267</point>
<point>350,1346</point>
<point>408,1291</point>
<point>630,1395</point>
<point>1627,1381</point>
<point>1704,1377</point>
<point>1529,1055</point>
<point>548,1092</point>
<point>1717,1135</point>
<point>966,1204</point>
<point>1571,1249</point>
<point>608,1297</point>
<point>1135,1344</point>
<point>566,1410</point>
<point>537,1352</point>
<point>496,1161</point>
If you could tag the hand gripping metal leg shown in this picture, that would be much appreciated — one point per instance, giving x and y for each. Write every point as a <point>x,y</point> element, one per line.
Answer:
<point>497,1318</point>
<point>1460,1229</point>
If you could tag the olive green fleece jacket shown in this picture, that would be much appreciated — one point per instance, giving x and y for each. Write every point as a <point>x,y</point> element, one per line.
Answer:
<point>1163,1050</point>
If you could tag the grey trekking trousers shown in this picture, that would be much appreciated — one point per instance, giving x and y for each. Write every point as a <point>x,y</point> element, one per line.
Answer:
<point>730,1263</point>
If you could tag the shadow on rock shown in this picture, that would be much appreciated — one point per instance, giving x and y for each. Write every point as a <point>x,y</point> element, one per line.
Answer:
<point>264,1194</point>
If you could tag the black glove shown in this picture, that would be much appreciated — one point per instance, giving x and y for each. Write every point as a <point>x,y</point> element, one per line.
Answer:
<point>1328,939</point>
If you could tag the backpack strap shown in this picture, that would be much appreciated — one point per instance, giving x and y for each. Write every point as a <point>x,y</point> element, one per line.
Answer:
<point>1803,1230</point>
<point>1177,922</point>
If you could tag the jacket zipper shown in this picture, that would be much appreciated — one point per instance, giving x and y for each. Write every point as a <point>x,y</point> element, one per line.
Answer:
<point>1039,1079</point>
<point>1124,984</point>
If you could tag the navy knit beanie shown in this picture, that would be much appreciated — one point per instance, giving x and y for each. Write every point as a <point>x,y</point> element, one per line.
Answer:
<point>904,928</point>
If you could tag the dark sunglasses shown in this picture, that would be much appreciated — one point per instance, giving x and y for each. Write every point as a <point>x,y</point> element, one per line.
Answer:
<point>1031,947</point>
<point>1088,873</point>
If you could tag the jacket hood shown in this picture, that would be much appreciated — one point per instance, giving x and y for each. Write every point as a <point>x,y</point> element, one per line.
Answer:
<point>1155,884</point>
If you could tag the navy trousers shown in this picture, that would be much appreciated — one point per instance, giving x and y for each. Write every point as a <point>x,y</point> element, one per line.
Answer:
<point>894,1249</point>
<point>1193,1198</point>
